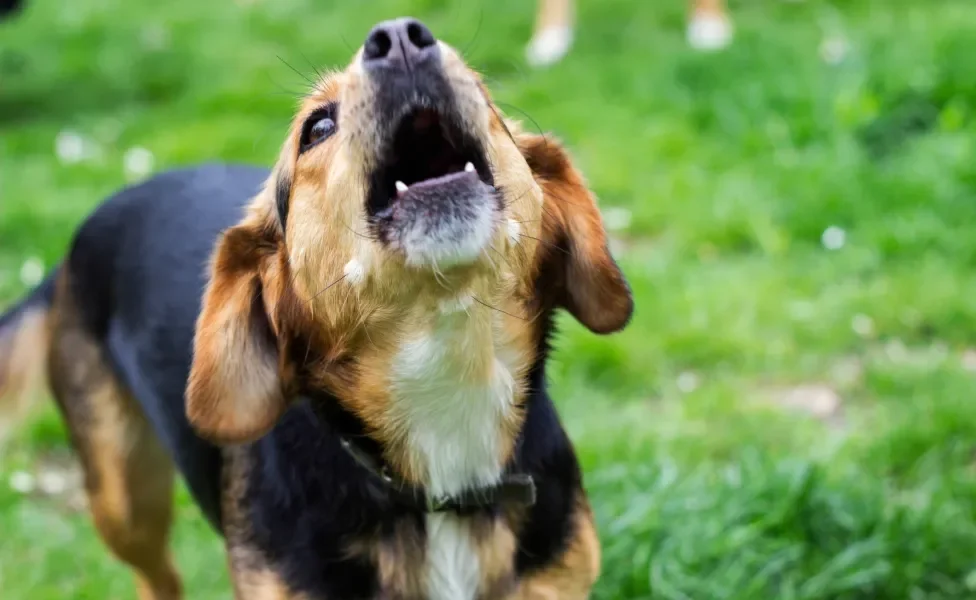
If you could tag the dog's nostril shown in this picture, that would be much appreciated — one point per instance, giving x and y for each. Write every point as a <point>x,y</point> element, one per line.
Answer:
<point>377,45</point>
<point>400,44</point>
<point>419,35</point>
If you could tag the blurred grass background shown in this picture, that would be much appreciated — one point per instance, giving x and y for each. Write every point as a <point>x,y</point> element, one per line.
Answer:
<point>790,413</point>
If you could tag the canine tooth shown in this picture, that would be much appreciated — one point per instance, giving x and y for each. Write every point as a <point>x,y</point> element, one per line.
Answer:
<point>401,187</point>
<point>469,167</point>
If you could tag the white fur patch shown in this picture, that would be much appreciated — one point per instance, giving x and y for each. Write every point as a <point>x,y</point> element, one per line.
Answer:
<point>452,418</point>
<point>549,46</point>
<point>453,421</point>
<point>453,572</point>
<point>450,243</point>
<point>354,272</point>
<point>514,230</point>
<point>708,31</point>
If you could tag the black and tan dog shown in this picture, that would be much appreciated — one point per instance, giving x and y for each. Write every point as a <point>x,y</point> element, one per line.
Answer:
<point>358,404</point>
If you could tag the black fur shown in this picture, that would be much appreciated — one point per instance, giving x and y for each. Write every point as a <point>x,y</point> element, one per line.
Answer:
<point>308,499</point>
<point>9,7</point>
<point>282,198</point>
<point>138,268</point>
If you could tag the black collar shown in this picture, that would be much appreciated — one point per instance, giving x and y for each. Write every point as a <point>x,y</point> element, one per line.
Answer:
<point>514,488</point>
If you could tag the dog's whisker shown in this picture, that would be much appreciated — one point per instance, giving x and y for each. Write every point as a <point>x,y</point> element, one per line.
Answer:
<point>364,236</point>
<point>297,72</point>
<point>486,305</point>
<point>545,243</point>
<point>477,30</point>
<point>326,288</point>
<point>314,68</point>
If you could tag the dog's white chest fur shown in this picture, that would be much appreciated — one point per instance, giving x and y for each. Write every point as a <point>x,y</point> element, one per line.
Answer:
<point>451,396</point>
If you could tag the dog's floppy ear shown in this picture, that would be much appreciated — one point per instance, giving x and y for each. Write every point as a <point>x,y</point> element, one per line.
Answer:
<point>234,393</point>
<point>576,266</point>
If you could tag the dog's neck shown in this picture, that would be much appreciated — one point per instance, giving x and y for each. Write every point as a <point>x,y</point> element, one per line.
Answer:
<point>454,397</point>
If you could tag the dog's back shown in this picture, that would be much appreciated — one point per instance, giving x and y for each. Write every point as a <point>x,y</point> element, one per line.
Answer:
<point>119,288</point>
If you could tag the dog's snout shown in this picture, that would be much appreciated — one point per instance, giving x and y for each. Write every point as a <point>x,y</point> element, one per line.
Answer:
<point>399,44</point>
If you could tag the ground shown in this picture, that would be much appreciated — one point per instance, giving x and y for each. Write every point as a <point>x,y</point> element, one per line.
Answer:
<point>790,415</point>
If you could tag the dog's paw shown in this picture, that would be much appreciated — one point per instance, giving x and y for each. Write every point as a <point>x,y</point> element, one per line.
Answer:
<point>549,46</point>
<point>709,31</point>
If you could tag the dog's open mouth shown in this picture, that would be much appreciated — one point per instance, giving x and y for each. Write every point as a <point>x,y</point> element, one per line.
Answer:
<point>432,199</point>
<point>430,158</point>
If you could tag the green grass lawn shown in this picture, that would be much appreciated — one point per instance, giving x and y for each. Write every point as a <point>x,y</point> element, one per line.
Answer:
<point>790,415</point>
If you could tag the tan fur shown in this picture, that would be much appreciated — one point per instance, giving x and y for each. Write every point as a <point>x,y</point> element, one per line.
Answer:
<point>262,584</point>
<point>237,400</point>
<point>586,281</point>
<point>497,546</point>
<point>128,475</point>
<point>572,577</point>
<point>399,562</point>
<point>22,355</point>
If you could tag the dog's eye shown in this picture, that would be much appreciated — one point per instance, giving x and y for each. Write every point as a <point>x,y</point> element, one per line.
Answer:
<point>318,127</point>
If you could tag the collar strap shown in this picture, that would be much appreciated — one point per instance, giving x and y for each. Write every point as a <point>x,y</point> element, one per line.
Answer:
<point>514,488</point>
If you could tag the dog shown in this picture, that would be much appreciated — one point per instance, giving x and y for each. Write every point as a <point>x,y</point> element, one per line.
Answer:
<point>709,28</point>
<point>345,356</point>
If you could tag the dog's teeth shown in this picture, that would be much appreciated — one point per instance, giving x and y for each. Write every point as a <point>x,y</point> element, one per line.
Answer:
<point>401,187</point>
<point>469,167</point>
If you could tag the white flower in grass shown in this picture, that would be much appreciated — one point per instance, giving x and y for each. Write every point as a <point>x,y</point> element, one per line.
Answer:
<point>687,382</point>
<point>618,247</point>
<point>138,162</point>
<point>833,238</point>
<point>834,49</point>
<point>52,483</point>
<point>70,147</point>
<point>970,580</point>
<point>616,218</point>
<point>21,482</point>
<point>862,325</point>
<point>968,360</point>
<point>31,272</point>
<point>896,351</point>
<point>817,400</point>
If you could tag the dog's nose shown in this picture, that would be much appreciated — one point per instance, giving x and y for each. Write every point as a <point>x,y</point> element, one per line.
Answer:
<point>400,44</point>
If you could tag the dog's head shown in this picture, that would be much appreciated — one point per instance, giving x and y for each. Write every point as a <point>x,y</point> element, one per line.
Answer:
<point>401,195</point>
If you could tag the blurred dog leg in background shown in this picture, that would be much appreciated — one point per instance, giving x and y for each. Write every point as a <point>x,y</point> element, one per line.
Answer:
<point>553,33</point>
<point>709,28</point>
<point>709,25</point>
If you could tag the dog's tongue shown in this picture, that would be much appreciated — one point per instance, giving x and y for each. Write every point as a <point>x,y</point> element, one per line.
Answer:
<point>449,181</point>
<point>467,173</point>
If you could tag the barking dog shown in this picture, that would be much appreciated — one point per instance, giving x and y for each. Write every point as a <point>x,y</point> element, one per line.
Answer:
<point>345,357</point>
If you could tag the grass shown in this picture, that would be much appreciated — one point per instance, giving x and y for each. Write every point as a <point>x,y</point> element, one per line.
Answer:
<point>708,482</point>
